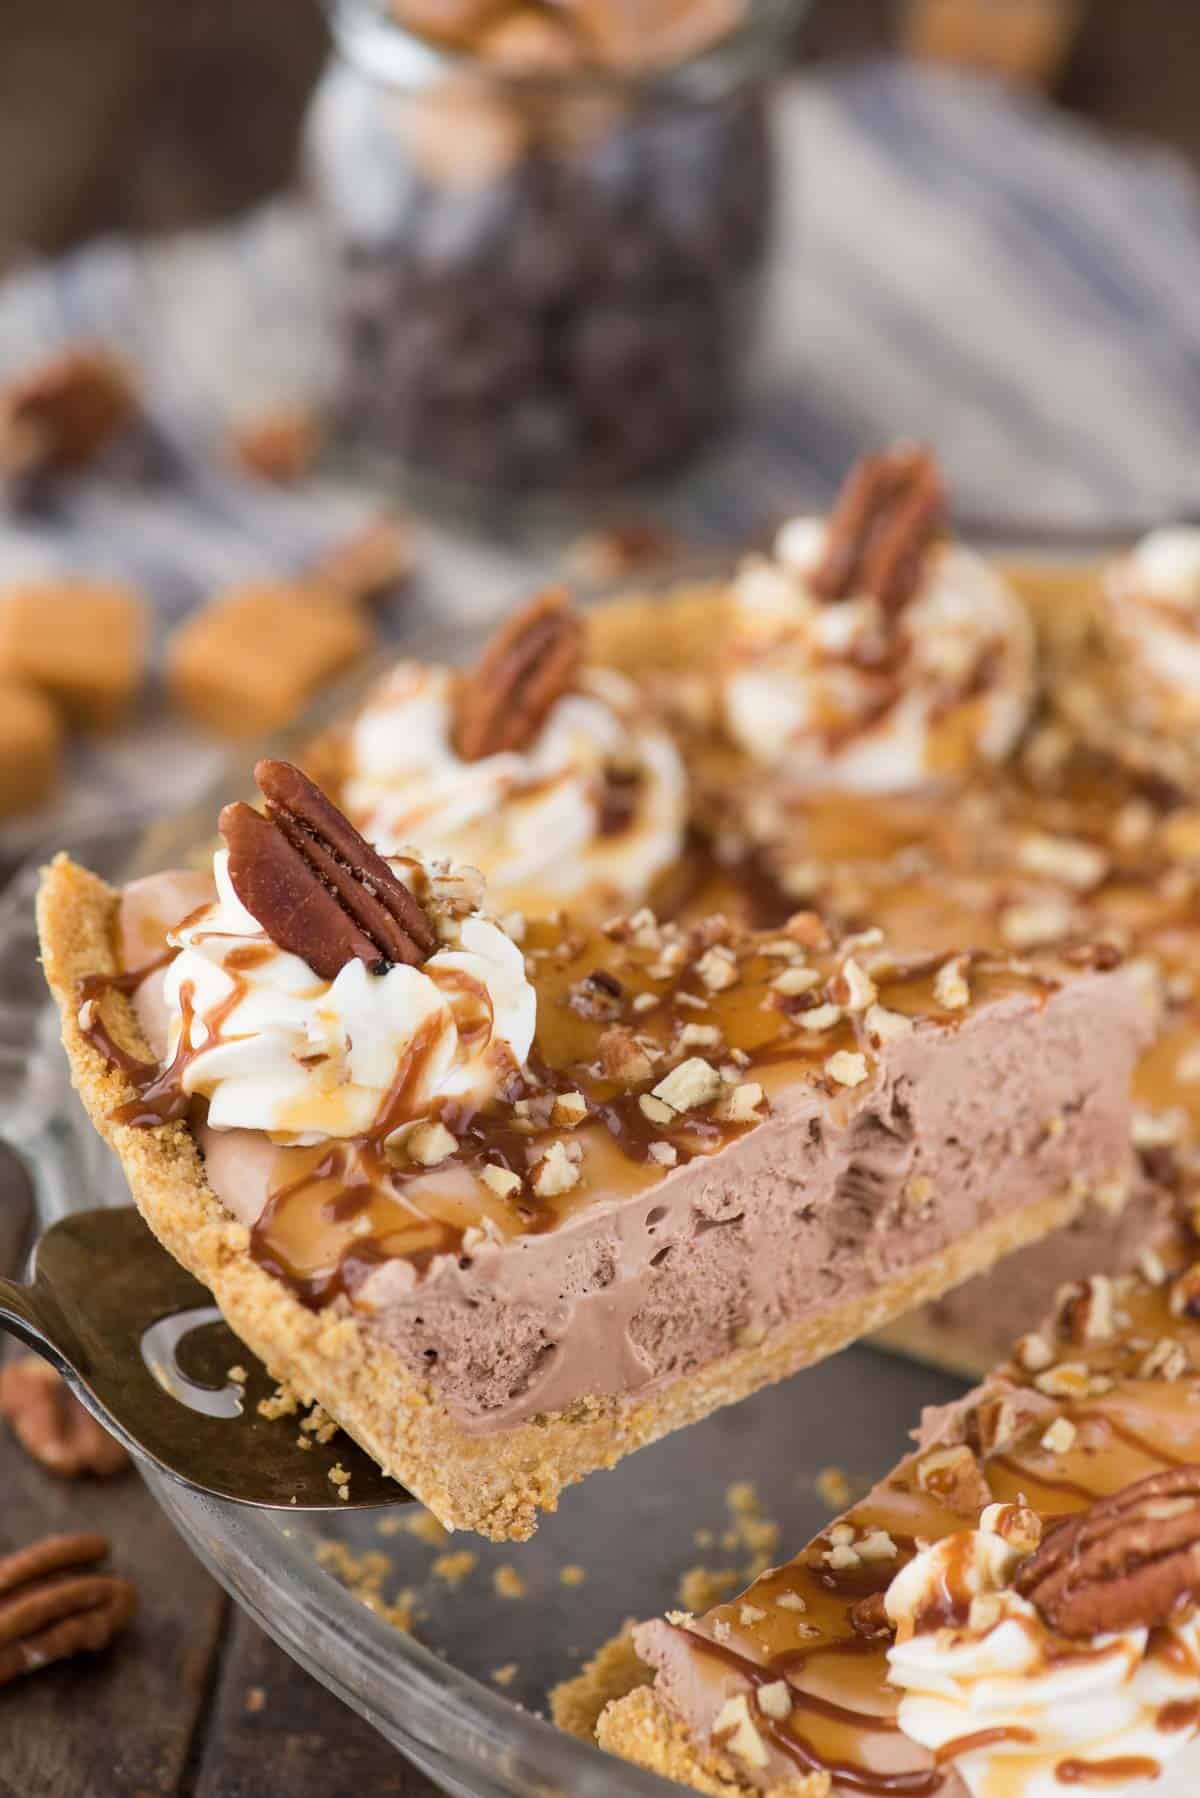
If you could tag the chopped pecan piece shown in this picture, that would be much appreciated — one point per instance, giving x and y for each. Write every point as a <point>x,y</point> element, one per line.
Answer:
<point>954,1477</point>
<point>886,517</point>
<point>50,1423</point>
<point>53,1606</point>
<point>64,410</point>
<point>315,885</point>
<point>1128,1562</point>
<point>869,1618</point>
<point>531,661</point>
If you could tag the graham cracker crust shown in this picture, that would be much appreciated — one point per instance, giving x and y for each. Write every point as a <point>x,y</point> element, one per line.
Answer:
<point>613,1672</point>
<point>639,1728</point>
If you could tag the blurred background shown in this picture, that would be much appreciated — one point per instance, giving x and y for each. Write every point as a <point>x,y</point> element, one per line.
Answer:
<point>167,116</point>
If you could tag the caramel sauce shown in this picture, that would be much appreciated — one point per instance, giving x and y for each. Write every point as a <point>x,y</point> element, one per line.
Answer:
<point>1183,1714</point>
<point>158,1095</point>
<point>249,955</point>
<point>1120,1770</point>
<point>982,1738</point>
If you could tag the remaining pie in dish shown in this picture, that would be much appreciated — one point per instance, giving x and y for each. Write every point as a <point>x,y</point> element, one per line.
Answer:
<point>1013,1612</point>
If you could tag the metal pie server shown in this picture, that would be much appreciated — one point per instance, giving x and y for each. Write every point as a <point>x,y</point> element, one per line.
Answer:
<point>142,1345</point>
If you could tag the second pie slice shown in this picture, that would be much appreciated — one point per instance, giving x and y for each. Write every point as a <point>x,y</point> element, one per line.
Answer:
<point>511,1209</point>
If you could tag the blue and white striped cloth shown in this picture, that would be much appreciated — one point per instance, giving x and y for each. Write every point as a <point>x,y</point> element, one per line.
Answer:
<point>953,263</point>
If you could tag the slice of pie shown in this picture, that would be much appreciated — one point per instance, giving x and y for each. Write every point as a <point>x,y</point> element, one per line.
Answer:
<point>1014,1612</point>
<point>508,1211</point>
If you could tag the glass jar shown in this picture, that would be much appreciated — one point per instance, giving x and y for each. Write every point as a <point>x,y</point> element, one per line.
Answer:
<point>546,279</point>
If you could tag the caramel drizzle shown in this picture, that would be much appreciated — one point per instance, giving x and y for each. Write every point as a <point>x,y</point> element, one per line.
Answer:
<point>849,1776</point>
<point>146,1077</point>
<point>1119,1770</point>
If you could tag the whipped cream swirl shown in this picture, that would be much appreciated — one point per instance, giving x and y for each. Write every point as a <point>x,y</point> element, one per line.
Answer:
<point>834,695</point>
<point>595,807</point>
<point>1035,1705</point>
<point>1152,606</point>
<point>274,1047</point>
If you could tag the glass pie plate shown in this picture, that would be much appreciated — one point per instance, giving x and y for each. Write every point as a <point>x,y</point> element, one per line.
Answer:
<point>617,1548</point>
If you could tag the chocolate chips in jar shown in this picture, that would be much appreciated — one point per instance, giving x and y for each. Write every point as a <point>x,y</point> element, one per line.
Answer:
<point>546,282</point>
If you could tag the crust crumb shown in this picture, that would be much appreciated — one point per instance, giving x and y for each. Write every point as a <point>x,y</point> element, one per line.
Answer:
<point>700,1588</point>
<point>507,1582</point>
<point>425,1527</point>
<point>453,1568</point>
<point>364,1577</point>
<point>638,1728</point>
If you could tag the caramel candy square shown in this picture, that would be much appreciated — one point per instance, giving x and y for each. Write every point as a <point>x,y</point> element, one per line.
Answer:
<point>250,659</point>
<point>30,747</point>
<point>82,642</point>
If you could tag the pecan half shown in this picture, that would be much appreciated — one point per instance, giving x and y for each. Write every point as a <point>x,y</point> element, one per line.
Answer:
<point>63,411</point>
<point>50,1423</point>
<point>1128,1562</point>
<point>529,662</point>
<point>53,1606</point>
<point>315,885</point>
<point>886,517</point>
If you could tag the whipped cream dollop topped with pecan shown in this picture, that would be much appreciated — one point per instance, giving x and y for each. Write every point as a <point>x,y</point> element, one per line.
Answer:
<point>328,993</point>
<point>1036,1666</point>
<point>544,774</point>
<point>868,653</point>
<point>1152,610</point>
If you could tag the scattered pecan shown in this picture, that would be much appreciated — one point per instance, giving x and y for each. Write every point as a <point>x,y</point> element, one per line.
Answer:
<point>869,1618</point>
<point>53,1606</point>
<point>621,1057</point>
<point>598,996</point>
<point>50,1423</point>
<point>1085,1311</point>
<point>529,663</point>
<point>318,888</point>
<point>886,517</point>
<point>954,1477</point>
<point>64,410</point>
<point>1006,1417</point>
<point>1127,1562</point>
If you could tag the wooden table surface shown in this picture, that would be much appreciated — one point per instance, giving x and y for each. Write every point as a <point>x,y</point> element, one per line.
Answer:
<point>193,1701</point>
